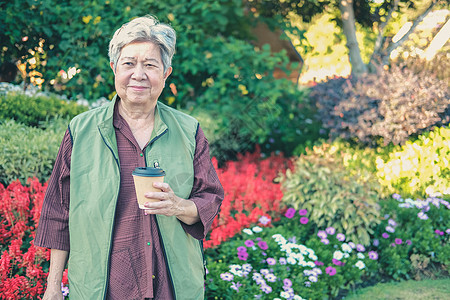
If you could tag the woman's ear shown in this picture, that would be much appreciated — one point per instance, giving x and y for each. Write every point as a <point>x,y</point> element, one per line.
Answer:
<point>168,72</point>
<point>112,67</point>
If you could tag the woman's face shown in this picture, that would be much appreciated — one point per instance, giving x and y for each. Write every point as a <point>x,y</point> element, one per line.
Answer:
<point>139,74</point>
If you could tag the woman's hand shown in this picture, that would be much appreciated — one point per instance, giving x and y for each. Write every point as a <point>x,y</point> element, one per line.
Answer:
<point>53,292</point>
<point>171,205</point>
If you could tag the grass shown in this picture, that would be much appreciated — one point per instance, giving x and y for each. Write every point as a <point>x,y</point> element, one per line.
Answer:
<point>410,290</point>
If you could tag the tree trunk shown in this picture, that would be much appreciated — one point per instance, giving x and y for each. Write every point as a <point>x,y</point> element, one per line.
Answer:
<point>438,41</point>
<point>348,22</point>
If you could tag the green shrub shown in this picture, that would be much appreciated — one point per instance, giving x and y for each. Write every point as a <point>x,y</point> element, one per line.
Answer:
<point>32,111</point>
<point>418,168</point>
<point>335,196</point>
<point>393,105</point>
<point>29,151</point>
<point>413,237</point>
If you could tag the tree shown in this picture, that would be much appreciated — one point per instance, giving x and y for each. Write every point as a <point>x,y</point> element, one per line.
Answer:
<point>348,26</point>
<point>370,14</point>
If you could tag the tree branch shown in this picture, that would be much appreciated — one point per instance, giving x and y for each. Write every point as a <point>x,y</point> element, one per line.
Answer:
<point>416,22</point>
<point>381,28</point>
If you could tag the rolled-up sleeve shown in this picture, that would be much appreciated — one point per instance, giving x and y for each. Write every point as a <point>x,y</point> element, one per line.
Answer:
<point>53,227</point>
<point>207,192</point>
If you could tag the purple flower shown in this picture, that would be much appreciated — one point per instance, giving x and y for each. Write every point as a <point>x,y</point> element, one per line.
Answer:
<point>304,220</point>
<point>390,229</point>
<point>392,245</point>
<point>447,231</point>
<point>325,241</point>
<point>422,215</point>
<point>264,220</point>
<point>396,196</point>
<point>398,241</point>
<point>330,271</point>
<point>236,286</point>
<point>290,213</point>
<point>249,243</point>
<point>376,242</point>
<point>263,245</point>
<point>392,223</point>
<point>266,289</point>
<point>242,255</point>
<point>330,230</point>
<point>373,255</point>
<point>408,242</point>
<point>360,248</point>
<point>64,290</point>
<point>385,235</point>
<point>302,212</point>
<point>351,244</point>
<point>340,237</point>
<point>271,261</point>
<point>337,262</point>
<point>322,234</point>
<point>287,282</point>
<point>227,276</point>
<point>241,249</point>
<point>282,261</point>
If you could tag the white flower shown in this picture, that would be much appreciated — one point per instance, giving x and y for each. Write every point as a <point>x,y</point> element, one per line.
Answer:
<point>257,276</point>
<point>264,271</point>
<point>312,278</point>
<point>310,264</point>
<point>290,260</point>
<point>285,295</point>
<point>247,231</point>
<point>317,271</point>
<point>313,257</point>
<point>297,297</point>
<point>257,229</point>
<point>346,255</point>
<point>346,248</point>
<point>338,255</point>
<point>271,278</point>
<point>360,265</point>
<point>360,255</point>
<point>247,267</point>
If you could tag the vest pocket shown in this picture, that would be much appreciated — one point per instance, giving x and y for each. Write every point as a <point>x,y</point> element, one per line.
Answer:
<point>123,282</point>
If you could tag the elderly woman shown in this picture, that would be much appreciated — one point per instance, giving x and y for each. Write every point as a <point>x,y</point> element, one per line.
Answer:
<point>90,214</point>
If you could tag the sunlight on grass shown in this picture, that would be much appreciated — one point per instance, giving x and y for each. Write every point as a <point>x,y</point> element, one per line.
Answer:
<point>426,289</point>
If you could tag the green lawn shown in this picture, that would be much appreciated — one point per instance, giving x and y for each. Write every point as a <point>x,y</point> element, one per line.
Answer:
<point>410,290</point>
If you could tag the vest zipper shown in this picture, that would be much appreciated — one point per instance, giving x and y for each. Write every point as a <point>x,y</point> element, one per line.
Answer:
<point>157,137</point>
<point>113,223</point>
<point>165,259</point>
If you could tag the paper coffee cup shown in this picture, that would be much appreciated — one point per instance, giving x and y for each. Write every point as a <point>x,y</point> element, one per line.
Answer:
<point>143,183</point>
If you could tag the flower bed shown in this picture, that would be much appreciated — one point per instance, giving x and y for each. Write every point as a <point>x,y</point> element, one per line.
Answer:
<point>292,258</point>
<point>286,256</point>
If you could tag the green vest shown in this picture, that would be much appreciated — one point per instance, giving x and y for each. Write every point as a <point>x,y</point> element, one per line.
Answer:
<point>94,188</point>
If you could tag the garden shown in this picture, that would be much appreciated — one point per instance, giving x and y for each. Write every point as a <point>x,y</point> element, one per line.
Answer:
<point>333,189</point>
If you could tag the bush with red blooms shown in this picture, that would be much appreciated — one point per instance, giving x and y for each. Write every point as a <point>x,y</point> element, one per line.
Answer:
<point>23,266</point>
<point>250,192</point>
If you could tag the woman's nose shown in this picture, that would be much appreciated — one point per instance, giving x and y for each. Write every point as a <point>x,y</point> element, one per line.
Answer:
<point>138,73</point>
